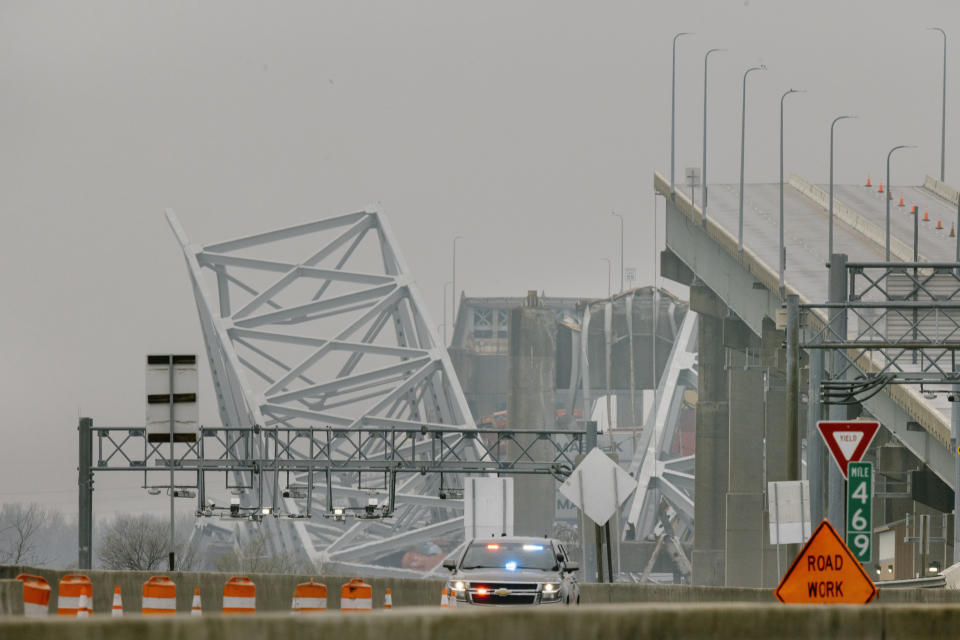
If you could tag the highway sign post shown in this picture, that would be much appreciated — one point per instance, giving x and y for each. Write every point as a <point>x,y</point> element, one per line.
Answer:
<point>825,572</point>
<point>859,510</point>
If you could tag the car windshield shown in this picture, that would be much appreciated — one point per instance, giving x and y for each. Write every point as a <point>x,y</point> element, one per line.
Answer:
<point>510,556</point>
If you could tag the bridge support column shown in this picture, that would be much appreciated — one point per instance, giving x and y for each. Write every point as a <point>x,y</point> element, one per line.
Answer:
<point>745,510</point>
<point>759,450</point>
<point>711,439</point>
<point>530,405</point>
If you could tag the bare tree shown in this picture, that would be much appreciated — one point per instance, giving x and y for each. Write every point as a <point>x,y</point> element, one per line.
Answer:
<point>142,542</point>
<point>20,530</point>
<point>133,542</point>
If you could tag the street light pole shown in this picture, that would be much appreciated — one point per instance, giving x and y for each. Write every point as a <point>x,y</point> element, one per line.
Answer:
<point>445,312</point>
<point>614,213</point>
<point>608,275</point>
<point>743,126</point>
<point>783,253</point>
<point>453,302</point>
<point>888,196</point>
<point>830,232</point>
<point>673,109</point>
<point>943,105</point>
<point>703,171</point>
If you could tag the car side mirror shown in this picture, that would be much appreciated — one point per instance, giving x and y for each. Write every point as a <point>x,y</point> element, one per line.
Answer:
<point>571,567</point>
<point>450,564</point>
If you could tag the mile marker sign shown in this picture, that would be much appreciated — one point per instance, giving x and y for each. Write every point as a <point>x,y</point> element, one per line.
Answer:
<point>847,440</point>
<point>825,572</point>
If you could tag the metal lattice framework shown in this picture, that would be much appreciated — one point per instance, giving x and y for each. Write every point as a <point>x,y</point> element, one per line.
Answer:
<point>335,457</point>
<point>659,473</point>
<point>320,325</point>
<point>906,319</point>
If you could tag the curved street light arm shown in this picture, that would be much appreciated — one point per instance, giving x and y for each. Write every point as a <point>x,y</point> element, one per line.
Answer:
<point>743,135</point>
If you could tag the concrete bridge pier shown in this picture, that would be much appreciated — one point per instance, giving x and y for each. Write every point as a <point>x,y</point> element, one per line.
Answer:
<point>711,439</point>
<point>757,453</point>
<point>530,405</point>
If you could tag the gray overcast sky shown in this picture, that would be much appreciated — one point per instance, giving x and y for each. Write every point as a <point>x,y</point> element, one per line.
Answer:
<point>519,125</point>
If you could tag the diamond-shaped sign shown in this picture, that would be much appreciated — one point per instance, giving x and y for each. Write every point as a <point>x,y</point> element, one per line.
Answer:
<point>847,440</point>
<point>825,572</point>
<point>598,486</point>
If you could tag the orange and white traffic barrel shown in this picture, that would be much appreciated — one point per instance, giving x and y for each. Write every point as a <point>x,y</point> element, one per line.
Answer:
<point>239,595</point>
<point>159,597</point>
<point>72,587</point>
<point>356,596</point>
<point>387,600</point>
<point>309,597</point>
<point>36,595</point>
<point>117,609</point>
<point>196,608</point>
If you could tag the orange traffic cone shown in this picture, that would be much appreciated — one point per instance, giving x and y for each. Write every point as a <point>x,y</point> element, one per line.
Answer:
<point>926,216</point>
<point>196,609</point>
<point>117,609</point>
<point>901,202</point>
<point>84,607</point>
<point>952,233</point>
<point>880,189</point>
<point>387,600</point>
<point>939,224</point>
<point>444,602</point>
<point>868,181</point>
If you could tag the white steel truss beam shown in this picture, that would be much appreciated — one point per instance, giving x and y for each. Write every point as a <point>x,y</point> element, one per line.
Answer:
<point>337,368</point>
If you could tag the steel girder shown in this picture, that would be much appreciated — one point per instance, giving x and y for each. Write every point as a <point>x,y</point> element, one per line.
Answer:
<point>656,475</point>
<point>320,324</point>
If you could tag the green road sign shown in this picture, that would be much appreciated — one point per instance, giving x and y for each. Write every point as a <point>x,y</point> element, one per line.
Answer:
<point>860,510</point>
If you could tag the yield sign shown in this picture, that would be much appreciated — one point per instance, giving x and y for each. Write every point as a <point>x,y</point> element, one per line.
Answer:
<point>825,572</point>
<point>847,440</point>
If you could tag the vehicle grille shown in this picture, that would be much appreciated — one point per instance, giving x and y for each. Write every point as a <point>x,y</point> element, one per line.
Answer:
<point>513,586</point>
<point>520,593</point>
<point>511,599</point>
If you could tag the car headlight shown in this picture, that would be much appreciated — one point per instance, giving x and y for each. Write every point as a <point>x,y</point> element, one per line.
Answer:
<point>550,591</point>
<point>457,589</point>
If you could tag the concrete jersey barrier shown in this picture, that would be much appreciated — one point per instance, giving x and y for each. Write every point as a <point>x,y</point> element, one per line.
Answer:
<point>274,591</point>
<point>611,622</point>
<point>876,234</point>
<point>941,189</point>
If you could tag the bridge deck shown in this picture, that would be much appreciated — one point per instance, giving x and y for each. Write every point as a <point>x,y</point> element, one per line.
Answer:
<point>806,273</point>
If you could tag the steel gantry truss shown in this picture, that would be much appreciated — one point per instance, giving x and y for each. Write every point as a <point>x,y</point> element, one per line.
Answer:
<point>363,466</point>
<point>906,333</point>
<point>905,329</point>
<point>321,348</point>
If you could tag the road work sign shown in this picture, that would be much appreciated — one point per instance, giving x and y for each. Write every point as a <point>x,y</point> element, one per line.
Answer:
<point>847,440</point>
<point>825,572</point>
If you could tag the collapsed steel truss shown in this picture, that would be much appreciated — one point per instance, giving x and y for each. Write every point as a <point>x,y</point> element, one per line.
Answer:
<point>339,337</point>
<point>658,473</point>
